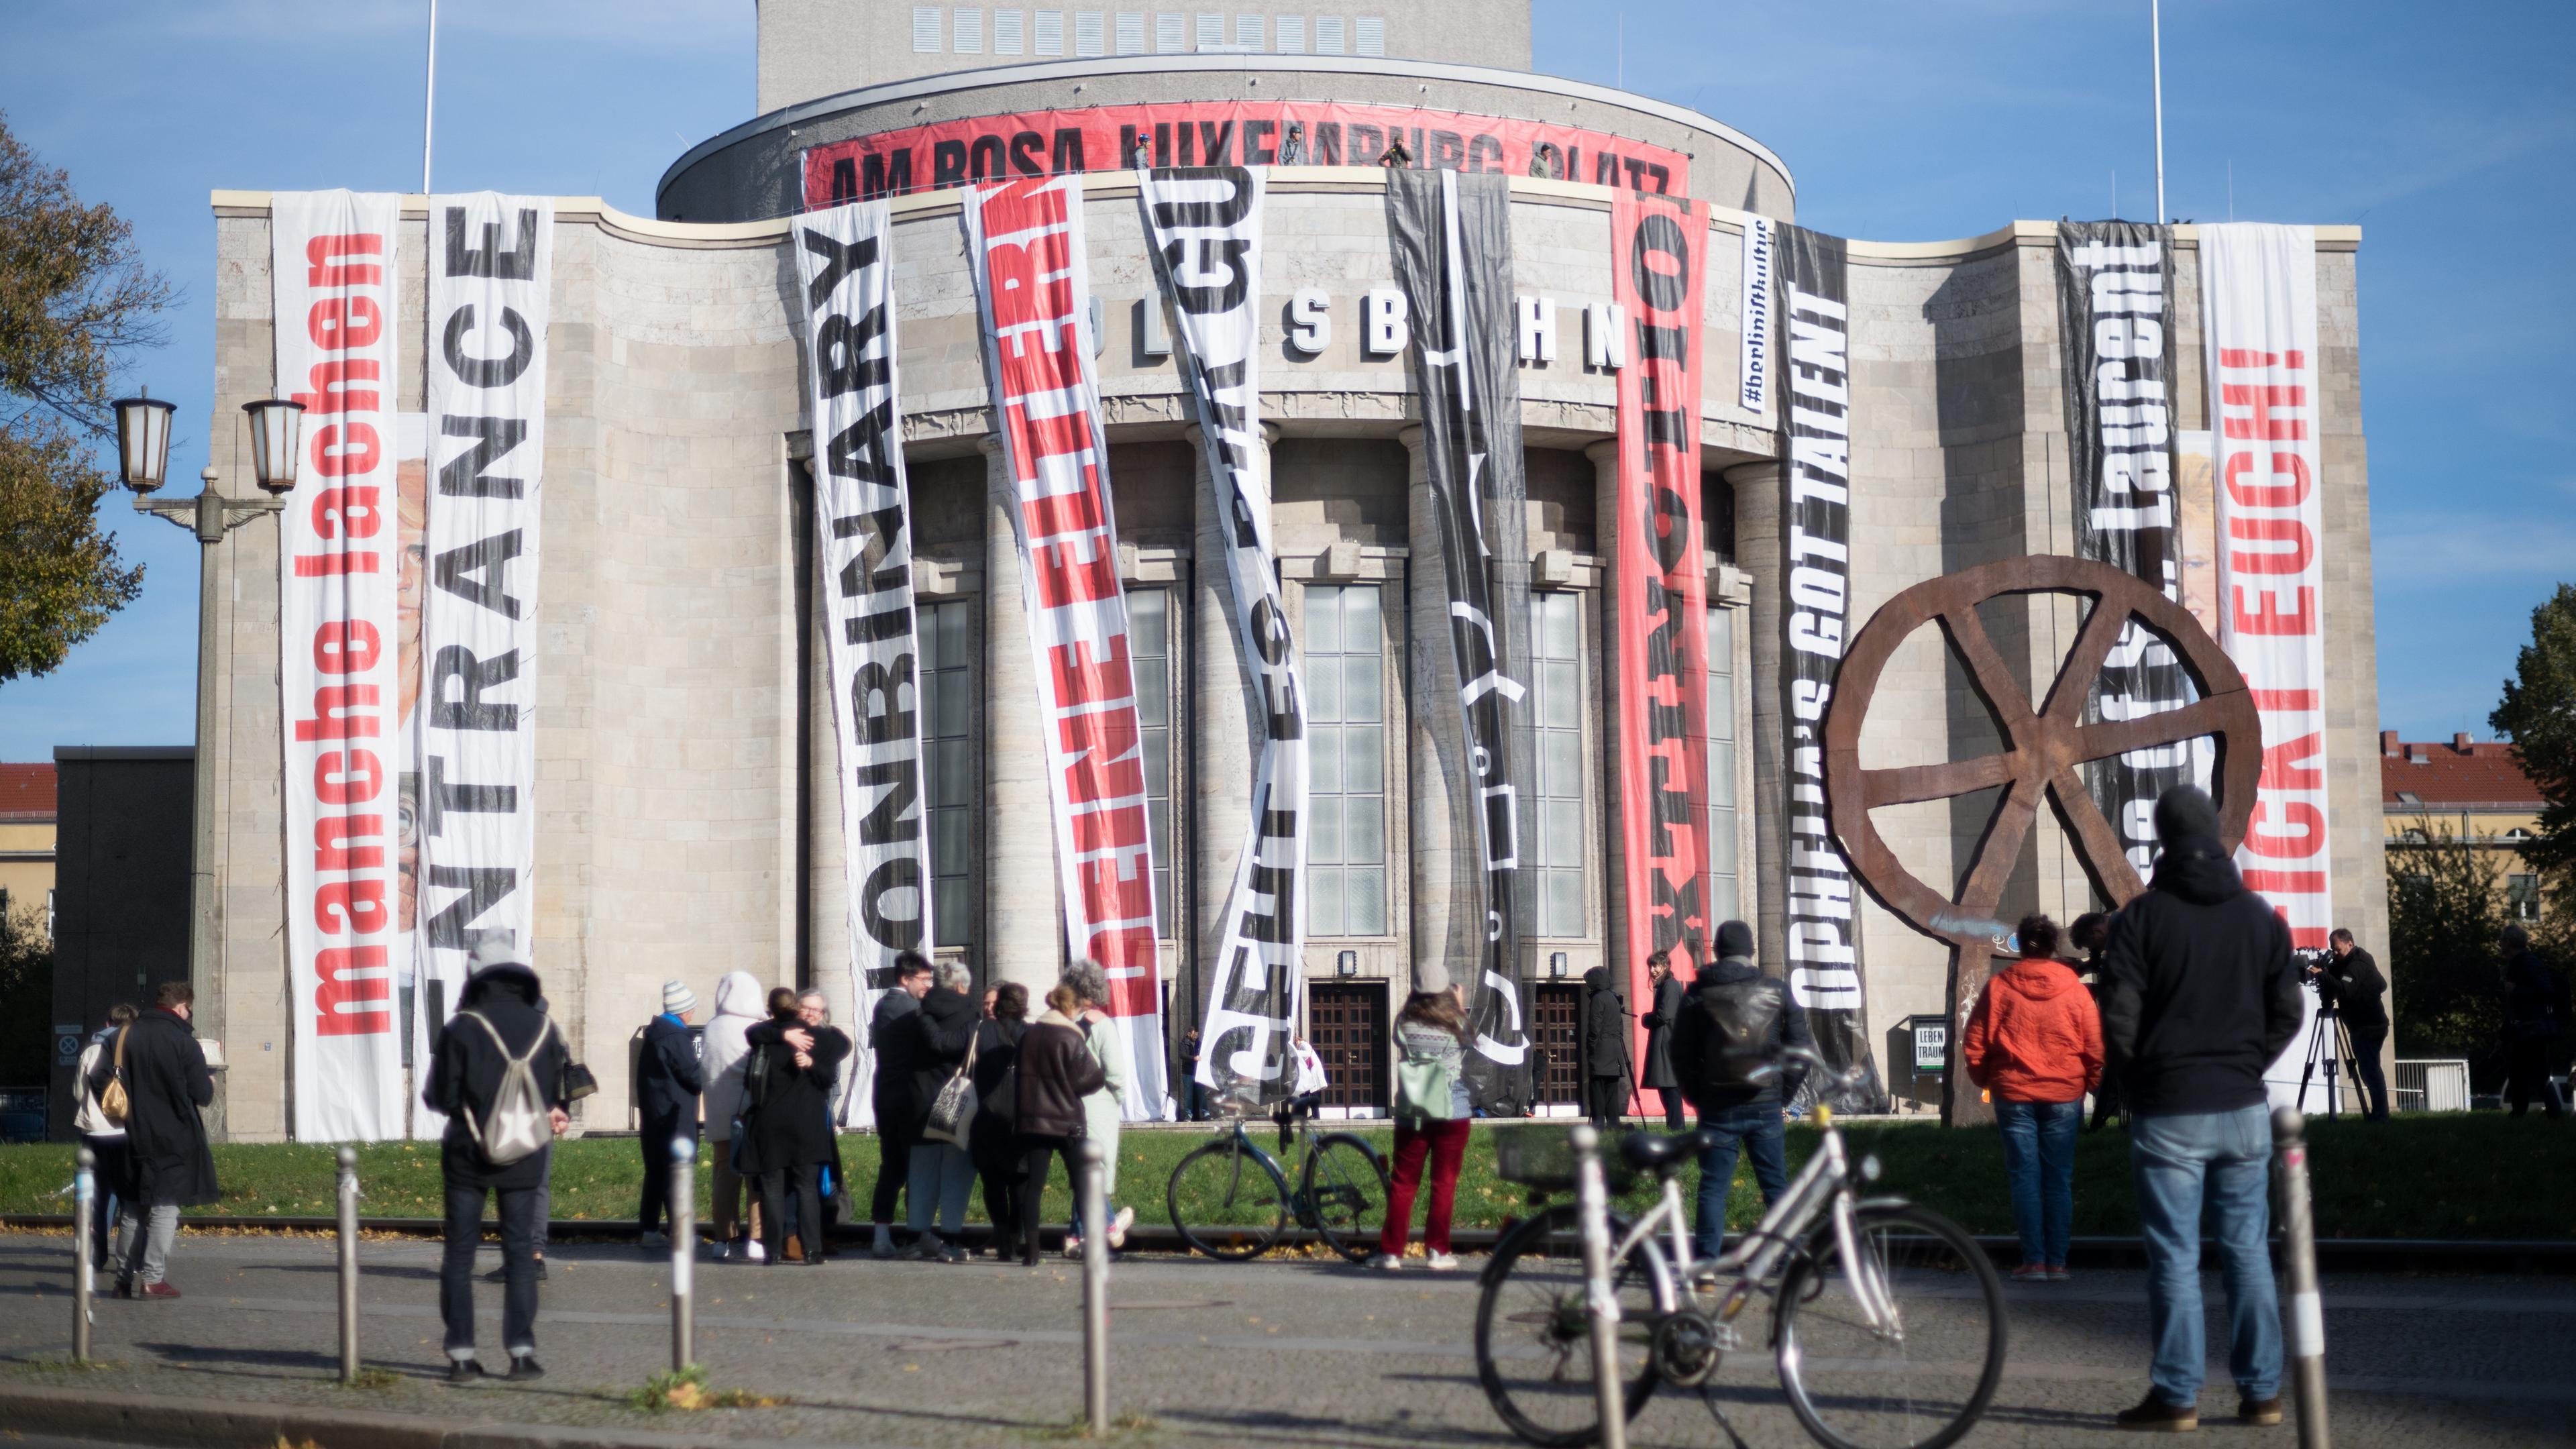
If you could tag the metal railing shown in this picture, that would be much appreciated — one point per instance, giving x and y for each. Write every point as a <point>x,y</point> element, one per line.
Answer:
<point>2431,1086</point>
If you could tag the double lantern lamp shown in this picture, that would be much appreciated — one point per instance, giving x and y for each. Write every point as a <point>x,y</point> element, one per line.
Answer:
<point>143,442</point>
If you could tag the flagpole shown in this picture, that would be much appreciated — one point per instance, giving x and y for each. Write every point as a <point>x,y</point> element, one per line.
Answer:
<point>2156,32</point>
<point>429,100</point>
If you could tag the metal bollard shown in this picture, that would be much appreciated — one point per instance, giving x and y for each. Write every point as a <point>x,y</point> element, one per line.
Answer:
<point>684,1244</point>
<point>2306,1315</point>
<point>1095,1287</point>
<point>348,1265</point>
<point>84,1264</point>
<point>1592,1211</point>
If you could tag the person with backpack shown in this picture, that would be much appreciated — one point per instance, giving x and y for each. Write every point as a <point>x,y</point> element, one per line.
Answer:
<point>941,1174</point>
<point>890,1061</point>
<point>104,1136</point>
<point>787,1124</point>
<point>992,1144</point>
<point>668,1082</point>
<point>1735,1021</point>
<point>159,1072</point>
<point>2535,1019</point>
<point>2034,1041</point>
<point>1431,1122</point>
<point>1056,1071</point>
<point>497,1074</point>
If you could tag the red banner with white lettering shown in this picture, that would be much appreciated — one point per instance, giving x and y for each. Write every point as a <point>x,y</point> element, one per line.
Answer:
<point>2258,285</point>
<point>1226,133</point>
<point>1660,610</point>
<point>1024,244</point>
<point>335,294</point>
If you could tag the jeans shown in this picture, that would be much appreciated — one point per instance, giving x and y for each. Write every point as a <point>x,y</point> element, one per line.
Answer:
<point>2039,1154</point>
<point>941,1174</point>
<point>804,1182</point>
<point>2174,1160</point>
<point>1755,1126</point>
<point>464,1233</point>
<point>1198,1099</point>
<point>545,1194</point>
<point>2370,1089</point>
<point>112,1194</point>
<point>1445,1144</point>
<point>655,1208</point>
<point>146,1254</point>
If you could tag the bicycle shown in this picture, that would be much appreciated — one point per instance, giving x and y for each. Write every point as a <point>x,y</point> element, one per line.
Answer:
<point>1240,1194</point>
<point>1861,1369</point>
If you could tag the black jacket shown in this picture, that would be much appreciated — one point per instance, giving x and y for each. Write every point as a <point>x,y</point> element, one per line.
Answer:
<point>1057,1070</point>
<point>465,1070</point>
<point>2535,999</point>
<point>166,1082</point>
<point>792,1126</point>
<point>939,1032</point>
<point>1605,1026</point>
<point>1660,1020</point>
<point>890,1038</point>
<point>2201,992</point>
<point>668,1079</point>
<point>1691,1043</point>
<point>997,1050</point>
<point>2360,991</point>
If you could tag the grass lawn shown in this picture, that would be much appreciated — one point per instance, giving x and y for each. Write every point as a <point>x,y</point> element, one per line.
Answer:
<point>2475,1176</point>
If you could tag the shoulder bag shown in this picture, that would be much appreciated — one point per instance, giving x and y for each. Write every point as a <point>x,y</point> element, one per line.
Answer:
<point>952,1112</point>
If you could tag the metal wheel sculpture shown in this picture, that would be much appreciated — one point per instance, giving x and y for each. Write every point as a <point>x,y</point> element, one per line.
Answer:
<point>2043,746</point>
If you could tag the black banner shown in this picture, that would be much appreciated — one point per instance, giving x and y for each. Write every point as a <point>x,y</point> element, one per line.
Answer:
<point>1822,927</point>
<point>1451,235</point>
<point>2114,298</point>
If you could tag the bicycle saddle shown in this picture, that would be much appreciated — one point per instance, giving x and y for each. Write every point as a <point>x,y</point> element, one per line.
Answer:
<point>1660,1152</point>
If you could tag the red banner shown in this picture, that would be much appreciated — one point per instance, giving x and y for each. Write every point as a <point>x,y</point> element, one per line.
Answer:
<point>1223,133</point>
<point>1661,603</point>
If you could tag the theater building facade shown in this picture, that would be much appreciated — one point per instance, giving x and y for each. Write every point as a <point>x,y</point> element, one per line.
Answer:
<point>688,819</point>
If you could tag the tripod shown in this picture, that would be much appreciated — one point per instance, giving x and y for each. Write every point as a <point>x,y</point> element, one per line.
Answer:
<point>2331,1045</point>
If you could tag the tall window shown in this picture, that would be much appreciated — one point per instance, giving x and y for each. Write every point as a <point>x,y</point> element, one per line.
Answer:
<point>925,29</point>
<point>1211,30</point>
<point>1009,34</point>
<point>1552,830</point>
<point>1328,35</point>
<point>1149,647</point>
<point>2522,897</point>
<point>966,30</point>
<point>1171,33</point>
<point>1346,762</point>
<point>1051,32</point>
<point>1251,31</point>
<point>1131,32</point>
<point>1087,33</point>
<point>1372,35</point>
<point>1292,33</point>
<point>1725,895</point>
<point>947,649</point>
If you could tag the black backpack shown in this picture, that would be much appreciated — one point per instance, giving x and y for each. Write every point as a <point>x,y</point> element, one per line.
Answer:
<point>755,1077</point>
<point>1741,1015</point>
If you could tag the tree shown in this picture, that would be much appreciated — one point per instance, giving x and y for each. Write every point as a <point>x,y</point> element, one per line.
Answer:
<point>26,997</point>
<point>2539,715</point>
<point>74,299</point>
<point>2445,974</point>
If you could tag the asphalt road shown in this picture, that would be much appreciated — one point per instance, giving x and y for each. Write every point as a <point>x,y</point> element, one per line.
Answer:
<point>1279,1352</point>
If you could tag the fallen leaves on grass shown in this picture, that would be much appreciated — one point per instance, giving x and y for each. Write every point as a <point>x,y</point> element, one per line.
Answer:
<point>687,1390</point>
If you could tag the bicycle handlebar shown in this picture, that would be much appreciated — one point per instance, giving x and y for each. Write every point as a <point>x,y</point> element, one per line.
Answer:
<point>1851,1077</point>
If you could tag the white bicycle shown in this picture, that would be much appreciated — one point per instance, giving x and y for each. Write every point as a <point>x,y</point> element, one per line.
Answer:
<point>1887,1320</point>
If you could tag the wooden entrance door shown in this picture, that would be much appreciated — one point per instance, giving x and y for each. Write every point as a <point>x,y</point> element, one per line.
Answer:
<point>1347,1024</point>
<point>1556,1020</point>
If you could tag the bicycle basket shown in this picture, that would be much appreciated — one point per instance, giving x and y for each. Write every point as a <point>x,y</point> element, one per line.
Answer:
<point>1543,1158</point>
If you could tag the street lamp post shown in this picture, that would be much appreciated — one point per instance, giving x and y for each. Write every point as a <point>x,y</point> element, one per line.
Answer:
<point>143,454</point>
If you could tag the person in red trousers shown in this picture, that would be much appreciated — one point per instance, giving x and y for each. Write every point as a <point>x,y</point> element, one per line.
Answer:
<point>1431,1116</point>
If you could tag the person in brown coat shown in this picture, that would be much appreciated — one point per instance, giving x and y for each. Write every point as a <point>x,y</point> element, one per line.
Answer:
<point>1057,1070</point>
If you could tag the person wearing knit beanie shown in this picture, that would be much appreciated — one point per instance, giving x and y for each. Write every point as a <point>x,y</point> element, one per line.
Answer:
<point>678,1000</point>
<point>668,1081</point>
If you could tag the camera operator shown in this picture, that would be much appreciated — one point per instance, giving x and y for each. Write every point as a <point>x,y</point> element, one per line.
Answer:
<point>2349,982</point>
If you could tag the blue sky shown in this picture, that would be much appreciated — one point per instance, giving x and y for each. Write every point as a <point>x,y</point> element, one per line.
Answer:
<point>2449,135</point>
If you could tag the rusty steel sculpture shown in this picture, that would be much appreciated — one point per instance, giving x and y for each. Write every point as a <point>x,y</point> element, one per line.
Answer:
<point>2044,746</point>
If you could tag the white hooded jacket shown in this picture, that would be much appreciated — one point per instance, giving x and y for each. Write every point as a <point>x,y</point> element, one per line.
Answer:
<point>741,1004</point>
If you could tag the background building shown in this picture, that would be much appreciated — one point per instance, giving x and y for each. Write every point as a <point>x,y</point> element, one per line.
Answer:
<point>2474,792</point>
<point>27,841</point>
<point>687,819</point>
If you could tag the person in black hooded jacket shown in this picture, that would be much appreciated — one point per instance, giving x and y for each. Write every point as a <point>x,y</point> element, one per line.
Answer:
<point>497,1021</point>
<point>787,1124</point>
<point>1745,1117</point>
<point>1605,1049</point>
<point>2201,994</point>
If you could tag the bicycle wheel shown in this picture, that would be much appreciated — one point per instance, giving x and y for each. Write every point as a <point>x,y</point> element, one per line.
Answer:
<point>1534,1337</point>
<point>1345,1188</point>
<point>1228,1200</point>
<point>1921,1379</point>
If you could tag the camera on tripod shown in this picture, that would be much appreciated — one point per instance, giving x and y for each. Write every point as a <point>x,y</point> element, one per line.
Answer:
<point>2314,975</point>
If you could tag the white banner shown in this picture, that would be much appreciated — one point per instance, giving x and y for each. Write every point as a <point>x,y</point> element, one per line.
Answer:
<point>491,260</point>
<point>1755,359</point>
<point>2258,284</point>
<point>863,542</point>
<point>1203,231</point>
<point>336,287</point>
<point>1024,245</point>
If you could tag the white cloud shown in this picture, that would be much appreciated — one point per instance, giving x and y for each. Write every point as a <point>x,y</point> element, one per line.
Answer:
<point>2419,551</point>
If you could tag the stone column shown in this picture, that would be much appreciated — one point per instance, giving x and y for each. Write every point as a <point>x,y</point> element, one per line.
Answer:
<point>1221,714</point>
<point>1758,529</point>
<point>1448,932</point>
<point>1604,456</point>
<point>1023,917</point>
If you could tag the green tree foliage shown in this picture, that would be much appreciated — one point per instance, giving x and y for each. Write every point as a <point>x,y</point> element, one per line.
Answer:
<point>2445,976</point>
<point>2539,715</point>
<point>74,299</point>
<point>26,997</point>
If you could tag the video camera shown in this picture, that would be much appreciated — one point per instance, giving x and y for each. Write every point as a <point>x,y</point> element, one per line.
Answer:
<point>2313,974</point>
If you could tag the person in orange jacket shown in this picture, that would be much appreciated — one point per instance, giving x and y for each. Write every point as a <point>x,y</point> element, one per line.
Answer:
<point>2034,1041</point>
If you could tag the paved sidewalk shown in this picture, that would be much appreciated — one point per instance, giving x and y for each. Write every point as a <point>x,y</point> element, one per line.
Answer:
<point>1285,1352</point>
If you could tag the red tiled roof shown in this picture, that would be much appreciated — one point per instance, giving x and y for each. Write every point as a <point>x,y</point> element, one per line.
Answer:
<point>2485,773</point>
<point>27,792</point>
